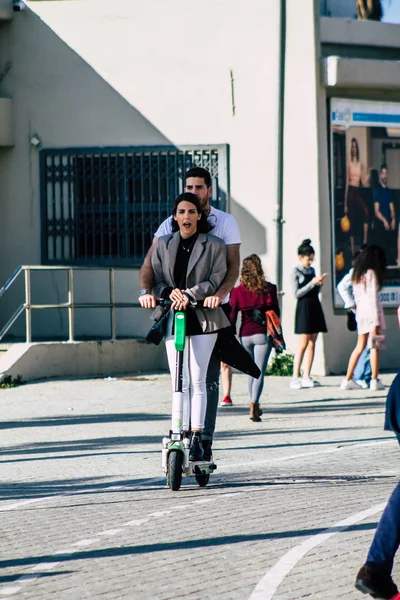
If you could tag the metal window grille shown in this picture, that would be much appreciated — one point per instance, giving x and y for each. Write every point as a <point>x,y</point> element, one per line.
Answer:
<point>103,205</point>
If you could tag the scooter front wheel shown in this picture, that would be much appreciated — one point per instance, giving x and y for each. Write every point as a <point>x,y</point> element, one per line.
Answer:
<point>174,473</point>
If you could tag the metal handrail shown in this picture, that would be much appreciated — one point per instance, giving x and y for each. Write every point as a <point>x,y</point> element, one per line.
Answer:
<point>27,306</point>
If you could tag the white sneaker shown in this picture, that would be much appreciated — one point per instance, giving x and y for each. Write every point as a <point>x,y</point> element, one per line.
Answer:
<point>362,383</point>
<point>295,384</point>
<point>376,384</point>
<point>309,383</point>
<point>349,385</point>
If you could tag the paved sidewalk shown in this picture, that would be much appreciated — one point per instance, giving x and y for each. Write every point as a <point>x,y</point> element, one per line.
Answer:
<point>85,512</point>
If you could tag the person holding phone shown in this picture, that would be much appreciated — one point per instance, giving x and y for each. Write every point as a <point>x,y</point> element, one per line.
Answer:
<point>309,319</point>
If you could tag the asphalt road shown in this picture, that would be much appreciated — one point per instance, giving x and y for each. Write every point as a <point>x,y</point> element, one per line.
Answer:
<point>289,513</point>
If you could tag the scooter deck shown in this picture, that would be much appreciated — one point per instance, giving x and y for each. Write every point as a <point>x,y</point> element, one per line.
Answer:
<point>200,467</point>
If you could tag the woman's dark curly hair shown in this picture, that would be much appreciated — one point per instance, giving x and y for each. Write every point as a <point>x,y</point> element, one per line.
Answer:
<point>372,257</point>
<point>252,275</point>
<point>202,225</point>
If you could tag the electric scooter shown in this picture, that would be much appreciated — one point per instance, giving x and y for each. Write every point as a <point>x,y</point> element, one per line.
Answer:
<point>176,447</point>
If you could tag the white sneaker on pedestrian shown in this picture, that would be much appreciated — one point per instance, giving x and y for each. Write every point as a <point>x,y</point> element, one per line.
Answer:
<point>349,385</point>
<point>362,383</point>
<point>309,382</point>
<point>376,384</point>
<point>295,384</point>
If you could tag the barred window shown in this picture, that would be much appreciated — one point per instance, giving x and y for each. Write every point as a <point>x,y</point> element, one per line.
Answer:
<point>102,206</point>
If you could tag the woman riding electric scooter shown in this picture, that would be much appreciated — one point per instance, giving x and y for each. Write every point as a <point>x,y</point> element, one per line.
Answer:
<point>189,266</point>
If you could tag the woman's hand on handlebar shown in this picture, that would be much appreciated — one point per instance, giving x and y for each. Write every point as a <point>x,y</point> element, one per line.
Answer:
<point>179,300</point>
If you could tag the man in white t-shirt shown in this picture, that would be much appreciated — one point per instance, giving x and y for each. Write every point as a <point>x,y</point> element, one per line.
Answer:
<point>198,181</point>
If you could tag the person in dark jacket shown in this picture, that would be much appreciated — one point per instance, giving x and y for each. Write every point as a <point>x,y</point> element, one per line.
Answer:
<point>375,576</point>
<point>254,292</point>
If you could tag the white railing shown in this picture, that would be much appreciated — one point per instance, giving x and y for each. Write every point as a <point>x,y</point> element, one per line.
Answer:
<point>71,305</point>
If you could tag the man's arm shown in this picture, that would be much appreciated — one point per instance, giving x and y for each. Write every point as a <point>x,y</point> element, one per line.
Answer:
<point>393,216</point>
<point>233,265</point>
<point>379,215</point>
<point>146,278</point>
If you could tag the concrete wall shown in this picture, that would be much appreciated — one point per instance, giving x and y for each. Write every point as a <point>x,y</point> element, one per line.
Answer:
<point>60,92</point>
<point>57,95</point>
<point>163,77</point>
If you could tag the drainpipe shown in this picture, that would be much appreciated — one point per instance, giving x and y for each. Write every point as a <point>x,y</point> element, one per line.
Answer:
<point>280,147</point>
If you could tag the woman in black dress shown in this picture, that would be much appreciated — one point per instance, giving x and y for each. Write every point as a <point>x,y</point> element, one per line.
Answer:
<point>309,319</point>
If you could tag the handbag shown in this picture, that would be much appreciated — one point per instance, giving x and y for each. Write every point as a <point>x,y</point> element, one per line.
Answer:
<point>351,321</point>
<point>376,342</point>
<point>159,329</point>
<point>259,317</point>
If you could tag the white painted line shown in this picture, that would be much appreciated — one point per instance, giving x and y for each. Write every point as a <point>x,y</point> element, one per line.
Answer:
<point>25,502</point>
<point>27,578</point>
<point>267,586</point>
<point>159,513</point>
<point>136,522</point>
<point>22,503</point>
<point>303,455</point>
<point>45,566</point>
<point>10,590</point>
<point>203,501</point>
<point>84,543</point>
<point>110,532</point>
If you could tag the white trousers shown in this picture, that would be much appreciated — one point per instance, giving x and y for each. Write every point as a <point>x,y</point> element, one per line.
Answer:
<point>196,356</point>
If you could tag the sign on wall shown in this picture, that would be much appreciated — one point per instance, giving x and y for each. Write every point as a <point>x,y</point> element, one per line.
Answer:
<point>365,179</point>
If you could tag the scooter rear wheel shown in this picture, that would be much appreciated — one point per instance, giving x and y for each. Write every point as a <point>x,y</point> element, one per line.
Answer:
<point>202,480</point>
<point>174,474</point>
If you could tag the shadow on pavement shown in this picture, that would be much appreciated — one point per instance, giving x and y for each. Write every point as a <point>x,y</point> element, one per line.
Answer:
<point>171,546</point>
<point>63,420</point>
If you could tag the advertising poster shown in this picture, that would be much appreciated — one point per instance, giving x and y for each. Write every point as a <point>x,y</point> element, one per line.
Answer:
<point>365,180</point>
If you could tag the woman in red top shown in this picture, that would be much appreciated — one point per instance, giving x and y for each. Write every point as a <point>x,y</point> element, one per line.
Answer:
<point>253,292</point>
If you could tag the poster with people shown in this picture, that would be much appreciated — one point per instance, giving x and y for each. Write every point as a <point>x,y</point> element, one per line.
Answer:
<point>365,179</point>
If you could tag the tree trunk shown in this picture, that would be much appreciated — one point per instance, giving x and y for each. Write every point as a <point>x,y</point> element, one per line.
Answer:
<point>369,9</point>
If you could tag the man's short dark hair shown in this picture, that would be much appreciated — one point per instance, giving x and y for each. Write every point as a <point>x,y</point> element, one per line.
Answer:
<point>199,172</point>
<point>383,166</point>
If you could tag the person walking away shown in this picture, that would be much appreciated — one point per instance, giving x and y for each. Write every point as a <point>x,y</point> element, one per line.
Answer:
<point>254,292</point>
<point>198,181</point>
<point>362,372</point>
<point>375,576</point>
<point>309,317</point>
<point>367,279</point>
<point>188,267</point>
<point>226,378</point>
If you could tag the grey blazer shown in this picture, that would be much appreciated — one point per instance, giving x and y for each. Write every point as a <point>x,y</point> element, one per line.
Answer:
<point>206,271</point>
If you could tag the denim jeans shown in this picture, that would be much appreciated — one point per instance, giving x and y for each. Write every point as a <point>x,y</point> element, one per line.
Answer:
<point>387,535</point>
<point>363,367</point>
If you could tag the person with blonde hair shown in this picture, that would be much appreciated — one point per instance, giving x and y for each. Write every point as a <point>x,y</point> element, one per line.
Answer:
<point>254,292</point>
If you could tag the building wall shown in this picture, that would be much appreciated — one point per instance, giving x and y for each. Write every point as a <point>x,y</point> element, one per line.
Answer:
<point>170,87</point>
<point>164,77</point>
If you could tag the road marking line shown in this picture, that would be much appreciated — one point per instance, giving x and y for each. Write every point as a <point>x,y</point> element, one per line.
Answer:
<point>84,543</point>
<point>234,467</point>
<point>136,522</point>
<point>10,590</point>
<point>110,532</point>
<point>46,566</point>
<point>25,502</point>
<point>304,455</point>
<point>267,586</point>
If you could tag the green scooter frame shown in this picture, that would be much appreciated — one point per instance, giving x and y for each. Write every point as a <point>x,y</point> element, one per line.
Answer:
<point>176,447</point>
